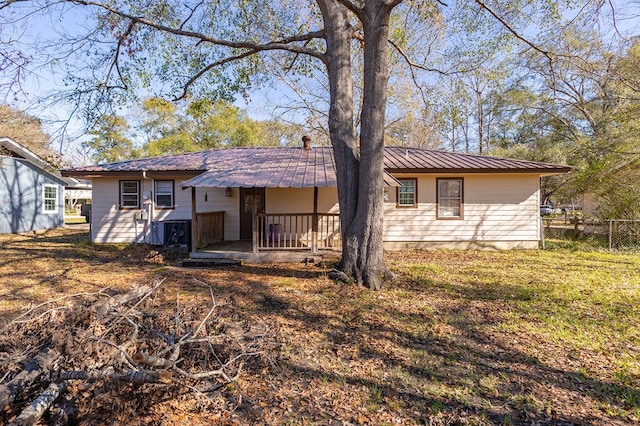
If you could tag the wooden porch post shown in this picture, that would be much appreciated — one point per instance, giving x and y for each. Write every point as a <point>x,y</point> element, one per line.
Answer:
<point>314,229</point>
<point>254,217</point>
<point>194,222</point>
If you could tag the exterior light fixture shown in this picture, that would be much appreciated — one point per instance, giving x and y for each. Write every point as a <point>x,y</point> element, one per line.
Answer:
<point>228,192</point>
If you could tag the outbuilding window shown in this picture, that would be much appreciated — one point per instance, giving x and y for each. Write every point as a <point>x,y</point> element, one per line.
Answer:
<point>129,194</point>
<point>164,194</point>
<point>408,193</point>
<point>450,199</point>
<point>50,197</point>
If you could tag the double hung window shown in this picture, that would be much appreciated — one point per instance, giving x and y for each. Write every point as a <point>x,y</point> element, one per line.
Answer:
<point>164,194</point>
<point>50,198</point>
<point>408,193</point>
<point>129,194</point>
<point>450,201</point>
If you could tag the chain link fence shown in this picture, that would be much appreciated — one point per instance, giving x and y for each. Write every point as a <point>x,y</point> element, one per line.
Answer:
<point>616,234</point>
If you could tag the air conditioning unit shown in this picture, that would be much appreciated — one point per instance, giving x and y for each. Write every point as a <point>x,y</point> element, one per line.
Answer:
<point>171,233</point>
<point>177,233</point>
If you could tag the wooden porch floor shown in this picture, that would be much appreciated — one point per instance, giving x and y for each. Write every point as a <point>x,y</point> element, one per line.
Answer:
<point>243,250</point>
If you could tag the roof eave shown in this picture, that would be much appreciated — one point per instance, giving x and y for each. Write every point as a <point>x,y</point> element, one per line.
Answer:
<point>122,173</point>
<point>541,172</point>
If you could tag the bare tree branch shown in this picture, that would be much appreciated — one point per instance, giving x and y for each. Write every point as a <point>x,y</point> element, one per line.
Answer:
<point>188,18</point>
<point>509,28</point>
<point>414,65</point>
<point>115,63</point>
<point>280,44</point>
<point>196,76</point>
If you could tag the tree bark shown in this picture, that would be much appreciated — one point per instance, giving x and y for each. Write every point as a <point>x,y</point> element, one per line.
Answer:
<point>32,371</point>
<point>360,189</point>
<point>342,130</point>
<point>38,406</point>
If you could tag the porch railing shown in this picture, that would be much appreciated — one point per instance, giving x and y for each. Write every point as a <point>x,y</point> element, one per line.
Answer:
<point>297,231</point>
<point>210,228</point>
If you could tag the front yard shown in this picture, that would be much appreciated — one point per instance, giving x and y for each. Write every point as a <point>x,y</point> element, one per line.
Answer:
<point>462,337</point>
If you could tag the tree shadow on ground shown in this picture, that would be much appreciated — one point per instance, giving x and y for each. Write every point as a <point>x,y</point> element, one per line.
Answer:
<point>452,361</point>
<point>467,370</point>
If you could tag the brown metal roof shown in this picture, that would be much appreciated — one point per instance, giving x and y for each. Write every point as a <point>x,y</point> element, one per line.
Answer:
<point>192,161</point>
<point>300,168</point>
<point>399,159</point>
<point>270,168</point>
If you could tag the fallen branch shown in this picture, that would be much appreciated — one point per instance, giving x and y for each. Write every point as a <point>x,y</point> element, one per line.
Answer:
<point>32,370</point>
<point>17,320</point>
<point>152,361</point>
<point>108,340</point>
<point>40,405</point>
<point>130,376</point>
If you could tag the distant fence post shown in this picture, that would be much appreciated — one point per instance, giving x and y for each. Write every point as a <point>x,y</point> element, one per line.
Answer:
<point>542,232</point>
<point>610,234</point>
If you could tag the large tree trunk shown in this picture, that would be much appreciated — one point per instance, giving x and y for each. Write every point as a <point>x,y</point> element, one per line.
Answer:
<point>360,174</point>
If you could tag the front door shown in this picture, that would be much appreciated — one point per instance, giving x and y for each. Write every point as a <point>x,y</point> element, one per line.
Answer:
<point>247,198</point>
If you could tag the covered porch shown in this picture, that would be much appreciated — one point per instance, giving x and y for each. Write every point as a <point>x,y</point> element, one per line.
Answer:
<point>275,237</point>
<point>271,205</point>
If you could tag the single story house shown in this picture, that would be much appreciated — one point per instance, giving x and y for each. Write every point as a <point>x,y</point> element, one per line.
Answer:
<point>263,201</point>
<point>31,191</point>
<point>77,195</point>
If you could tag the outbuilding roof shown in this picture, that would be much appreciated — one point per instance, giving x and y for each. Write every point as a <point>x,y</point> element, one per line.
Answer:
<point>299,168</point>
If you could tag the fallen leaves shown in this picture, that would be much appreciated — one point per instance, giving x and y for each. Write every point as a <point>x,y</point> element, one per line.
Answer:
<point>455,340</point>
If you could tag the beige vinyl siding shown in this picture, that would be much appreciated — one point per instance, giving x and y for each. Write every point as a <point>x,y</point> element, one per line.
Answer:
<point>277,200</point>
<point>216,200</point>
<point>110,224</point>
<point>300,200</point>
<point>499,210</point>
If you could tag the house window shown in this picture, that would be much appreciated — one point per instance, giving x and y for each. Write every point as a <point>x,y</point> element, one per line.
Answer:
<point>129,194</point>
<point>50,197</point>
<point>164,194</point>
<point>450,201</point>
<point>408,193</point>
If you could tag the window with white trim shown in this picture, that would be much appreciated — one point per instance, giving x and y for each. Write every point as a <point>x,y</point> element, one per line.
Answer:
<point>164,194</point>
<point>50,198</point>
<point>450,201</point>
<point>408,193</point>
<point>129,194</point>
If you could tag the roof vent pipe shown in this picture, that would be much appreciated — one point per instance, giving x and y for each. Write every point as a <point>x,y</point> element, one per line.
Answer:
<point>306,142</point>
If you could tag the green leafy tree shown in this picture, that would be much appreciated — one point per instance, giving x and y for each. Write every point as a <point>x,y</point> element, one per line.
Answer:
<point>26,130</point>
<point>163,130</point>
<point>584,110</point>
<point>159,118</point>
<point>167,129</point>
<point>220,124</point>
<point>110,142</point>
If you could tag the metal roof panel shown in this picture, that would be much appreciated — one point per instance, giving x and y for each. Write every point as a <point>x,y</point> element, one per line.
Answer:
<point>301,168</point>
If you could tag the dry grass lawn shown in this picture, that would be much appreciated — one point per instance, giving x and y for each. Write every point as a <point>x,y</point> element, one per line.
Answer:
<point>462,337</point>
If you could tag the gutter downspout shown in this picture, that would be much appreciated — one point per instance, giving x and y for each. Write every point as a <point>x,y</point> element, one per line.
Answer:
<point>148,205</point>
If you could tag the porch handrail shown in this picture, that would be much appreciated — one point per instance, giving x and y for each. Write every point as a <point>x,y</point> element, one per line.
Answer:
<point>298,231</point>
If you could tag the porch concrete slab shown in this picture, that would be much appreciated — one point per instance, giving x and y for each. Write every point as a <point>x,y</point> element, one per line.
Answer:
<point>243,251</point>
